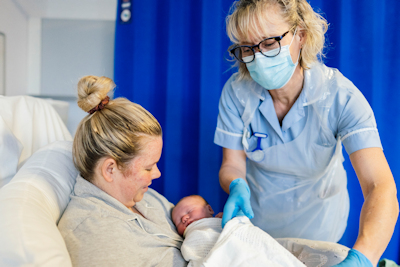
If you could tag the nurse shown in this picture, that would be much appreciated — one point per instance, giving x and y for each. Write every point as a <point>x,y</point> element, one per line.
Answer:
<point>282,121</point>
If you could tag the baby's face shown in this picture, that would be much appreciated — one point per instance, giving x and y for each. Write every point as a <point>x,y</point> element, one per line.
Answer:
<point>188,210</point>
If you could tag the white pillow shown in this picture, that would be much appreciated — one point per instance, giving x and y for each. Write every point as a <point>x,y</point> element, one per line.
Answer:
<point>33,121</point>
<point>31,205</point>
<point>10,151</point>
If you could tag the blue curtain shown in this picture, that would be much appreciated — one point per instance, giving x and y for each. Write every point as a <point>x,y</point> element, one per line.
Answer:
<point>170,57</point>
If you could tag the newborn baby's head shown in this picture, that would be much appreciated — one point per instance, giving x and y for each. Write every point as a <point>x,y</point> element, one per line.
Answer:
<point>190,209</point>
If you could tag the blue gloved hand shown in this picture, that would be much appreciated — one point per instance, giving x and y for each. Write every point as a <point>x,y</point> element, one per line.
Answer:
<point>238,200</point>
<point>355,259</point>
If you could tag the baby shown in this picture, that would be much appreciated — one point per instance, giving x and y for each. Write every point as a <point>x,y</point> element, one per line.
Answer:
<point>193,218</point>
<point>190,209</point>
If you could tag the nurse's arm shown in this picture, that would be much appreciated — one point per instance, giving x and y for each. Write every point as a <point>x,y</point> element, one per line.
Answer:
<point>233,166</point>
<point>381,208</point>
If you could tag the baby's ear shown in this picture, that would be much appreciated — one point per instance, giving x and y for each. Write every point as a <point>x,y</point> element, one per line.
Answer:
<point>210,209</point>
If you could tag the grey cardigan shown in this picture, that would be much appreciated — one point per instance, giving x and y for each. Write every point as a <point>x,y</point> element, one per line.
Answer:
<point>100,231</point>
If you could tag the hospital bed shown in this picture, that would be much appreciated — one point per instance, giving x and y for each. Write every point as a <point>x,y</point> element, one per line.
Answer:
<point>36,177</point>
<point>32,202</point>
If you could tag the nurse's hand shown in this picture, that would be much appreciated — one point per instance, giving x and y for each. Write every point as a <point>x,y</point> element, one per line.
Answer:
<point>238,200</point>
<point>355,259</point>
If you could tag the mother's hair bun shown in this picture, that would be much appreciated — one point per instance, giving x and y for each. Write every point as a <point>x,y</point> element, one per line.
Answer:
<point>92,90</point>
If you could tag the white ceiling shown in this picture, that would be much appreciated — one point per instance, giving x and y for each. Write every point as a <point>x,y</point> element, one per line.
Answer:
<point>69,9</point>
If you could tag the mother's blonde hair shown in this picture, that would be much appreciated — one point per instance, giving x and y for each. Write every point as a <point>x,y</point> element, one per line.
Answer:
<point>116,131</point>
<point>246,16</point>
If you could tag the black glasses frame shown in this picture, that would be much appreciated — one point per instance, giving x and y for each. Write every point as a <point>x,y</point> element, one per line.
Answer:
<point>276,38</point>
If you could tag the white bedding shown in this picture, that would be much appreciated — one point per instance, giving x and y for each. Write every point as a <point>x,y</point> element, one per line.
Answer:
<point>26,125</point>
<point>315,253</point>
<point>239,244</point>
<point>243,244</point>
<point>32,201</point>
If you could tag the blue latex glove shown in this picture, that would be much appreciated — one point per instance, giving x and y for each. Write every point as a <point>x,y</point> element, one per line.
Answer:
<point>355,259</point>
<point>238,201</point>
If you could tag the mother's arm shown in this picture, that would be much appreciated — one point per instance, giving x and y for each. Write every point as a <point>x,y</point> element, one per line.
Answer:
<point>111,241</point>
<point>381,208</point>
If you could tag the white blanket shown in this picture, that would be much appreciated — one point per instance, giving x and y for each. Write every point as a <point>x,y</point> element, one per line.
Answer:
<point>200,237</point>
<point>239,244</point>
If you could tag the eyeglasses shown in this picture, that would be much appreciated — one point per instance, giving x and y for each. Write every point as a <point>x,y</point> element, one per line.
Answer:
<point>269,47</point>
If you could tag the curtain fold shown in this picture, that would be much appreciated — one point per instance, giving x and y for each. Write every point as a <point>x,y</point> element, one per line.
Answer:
<point>170,57</point>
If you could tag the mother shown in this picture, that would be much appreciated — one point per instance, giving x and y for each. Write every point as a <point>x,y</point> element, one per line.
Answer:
<point>282,120</point>
<point>110,221</point>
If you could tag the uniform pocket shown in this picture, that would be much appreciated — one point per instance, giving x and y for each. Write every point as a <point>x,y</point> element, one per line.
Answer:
<point>333,179</point>
<point>321,156</point>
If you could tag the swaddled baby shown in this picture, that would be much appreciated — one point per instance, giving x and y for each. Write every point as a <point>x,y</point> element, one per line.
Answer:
<point>193,218</point>
<point>190,209</point>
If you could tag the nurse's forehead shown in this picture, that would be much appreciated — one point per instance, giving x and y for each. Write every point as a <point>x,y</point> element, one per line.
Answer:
<point>271,24</point>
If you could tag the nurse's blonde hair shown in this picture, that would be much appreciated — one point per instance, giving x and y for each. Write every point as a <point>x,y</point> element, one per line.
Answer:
<point>246,16</point>
<point>116,131</point>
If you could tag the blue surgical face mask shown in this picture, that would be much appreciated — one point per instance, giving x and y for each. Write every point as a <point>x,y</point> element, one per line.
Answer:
<point>272,72</point>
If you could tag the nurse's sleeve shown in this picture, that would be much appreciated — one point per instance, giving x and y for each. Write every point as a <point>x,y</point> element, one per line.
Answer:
<point>356,125</point>
<point>229,129</point>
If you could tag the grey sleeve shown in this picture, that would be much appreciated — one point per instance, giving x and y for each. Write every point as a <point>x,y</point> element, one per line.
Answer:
<point>113,242</point>
<point>171,259</point>
<point>159,200</point>
<point>162,204</point>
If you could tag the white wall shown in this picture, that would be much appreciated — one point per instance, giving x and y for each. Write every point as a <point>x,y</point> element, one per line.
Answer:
<point>75,115</point>
<point>14,24</point>
<point>50,44</point>
<point>72,49</point>
<point>2,63</point>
